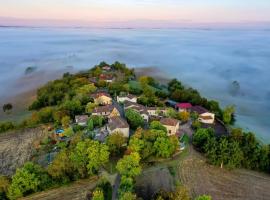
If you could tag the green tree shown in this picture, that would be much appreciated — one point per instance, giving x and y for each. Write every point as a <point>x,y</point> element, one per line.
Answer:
<point>98,195</point>
<point>128,196</point>
<point>158,126</point>
<point>73,106</point>
<point>201,137</point>
<point>174,84</point>
<point>129,165</point>
<point>116,142</point>
<point>86,89</point>
<point>204,197</point>
<point>4,185</point>
<point>90,124</point>
<point>90,107</point>
<point>62,168</point>
<point>228,114</point>
<point>28,179</point>
<point>164,147</point>
<point>98,155</point>
<point>79,157</point>
<point>65,121</point>
<point>134,119</point>
<point>7,107</point>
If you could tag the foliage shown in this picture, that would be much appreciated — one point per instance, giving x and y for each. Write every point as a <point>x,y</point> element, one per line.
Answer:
<point>134,119</point>
<point>184,116</point>
<point>90,107</point>
<point>98,155</point>
<point>62,168</point>
<point>98,195</point>
<point>128,196</point>
<point>164,147</point>
<point>98,121</point>
<point>158,126</point>
<point>116,142</point>
<point>28,179</point>
<point>201,136</point>
<point>65,121</point>
<point>129,165</point>
<point>4,185</point>
<point>90,125</point>
<point>7,107</point>
<point>228,113</point>
<point>204,197</point>
<point>5,126</point>
<point>86,89</point>
<point>106,187</point>
<point>74,107</point>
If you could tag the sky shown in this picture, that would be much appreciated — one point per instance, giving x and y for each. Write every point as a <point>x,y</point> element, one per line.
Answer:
<point>115,11</point>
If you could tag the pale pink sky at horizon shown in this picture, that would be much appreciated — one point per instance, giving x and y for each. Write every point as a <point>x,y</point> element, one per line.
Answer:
<point>192,11</point>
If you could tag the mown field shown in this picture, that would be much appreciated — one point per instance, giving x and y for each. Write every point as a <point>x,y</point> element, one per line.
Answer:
<point>75,191</point>
<point>199,177</point>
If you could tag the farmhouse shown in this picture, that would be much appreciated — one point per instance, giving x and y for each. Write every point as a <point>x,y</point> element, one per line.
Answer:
<point>109,78</point>
<point>129,97</point>
<point>106,111</point>
<point>205,116</point>
<point>181,107</point>
<point>102,98</point>
<point>118,124</point>
<point>172,125</point>
<point>138,108</point>
<point>81,120</point>
<point>156,111</point>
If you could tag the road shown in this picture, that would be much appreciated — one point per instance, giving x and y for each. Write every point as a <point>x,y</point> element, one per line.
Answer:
<point>116,186</point>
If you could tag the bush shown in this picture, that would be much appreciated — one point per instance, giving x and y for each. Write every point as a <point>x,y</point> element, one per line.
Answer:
<point>134,119</point>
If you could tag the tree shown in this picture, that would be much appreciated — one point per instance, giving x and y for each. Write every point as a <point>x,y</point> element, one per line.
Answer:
<point>163,147</point>
<point>201,137</point>
<point>116,142</point>
<point>4,185</point>
<point>86,89</point>
<point>28,179</point>
<point>204,197</point>
<point>174,84</point>
<point>126,185</point>
<point>128,196</point>
<point>90,125</point>
<point>65,121</point>
<point>79,157</point>
<point>129,165</point>
<point>181,193</point>
<point>184,116</point>
<point>73,106</point>
<point>62,167</point>
<point>98,195</point>
<point>5,126</point>
<point>90,107</point>
<point>134,119</point>
<point>7,107</point>
<point>98,155</point>
<point>158,126</point>
<point>228,114</point>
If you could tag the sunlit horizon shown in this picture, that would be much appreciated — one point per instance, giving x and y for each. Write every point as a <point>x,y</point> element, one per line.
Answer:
<point>133,13</point>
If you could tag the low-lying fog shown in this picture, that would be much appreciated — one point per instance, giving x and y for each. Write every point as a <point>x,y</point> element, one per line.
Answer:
<point>231,66</point>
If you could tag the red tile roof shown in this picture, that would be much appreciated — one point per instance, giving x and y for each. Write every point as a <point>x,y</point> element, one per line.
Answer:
<point>183,105</point>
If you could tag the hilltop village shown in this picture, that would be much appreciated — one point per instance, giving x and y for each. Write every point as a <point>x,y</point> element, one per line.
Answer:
<point>109,124</point>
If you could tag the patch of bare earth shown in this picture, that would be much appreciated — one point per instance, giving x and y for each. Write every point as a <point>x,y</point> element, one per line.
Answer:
<point>152,180</point>
<point>75,191</point>
<point>17,147</point>
<point>221,184</point>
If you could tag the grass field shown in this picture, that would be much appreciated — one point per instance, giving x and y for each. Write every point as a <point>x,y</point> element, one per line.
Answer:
<point>192,170</point>
<point>75,191</point>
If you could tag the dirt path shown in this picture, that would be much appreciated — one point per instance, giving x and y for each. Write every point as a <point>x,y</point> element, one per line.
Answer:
<point>75,191</point>
<point>222,184</point>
